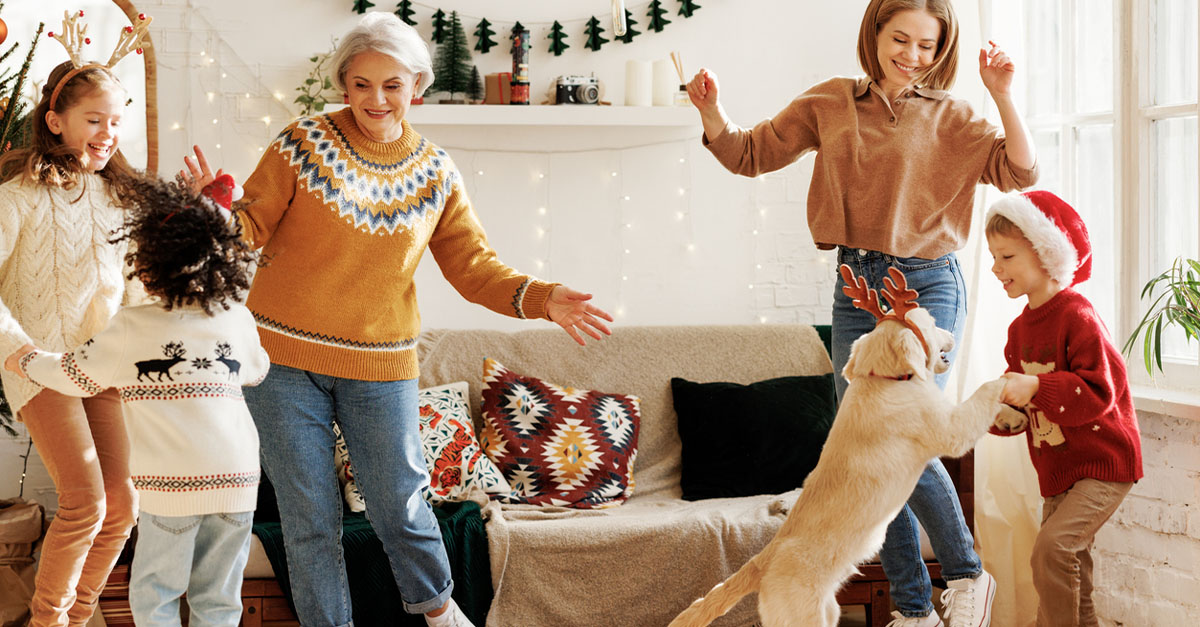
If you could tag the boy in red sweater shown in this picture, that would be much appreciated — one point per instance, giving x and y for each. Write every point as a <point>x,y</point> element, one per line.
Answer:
<point>1064,371</point>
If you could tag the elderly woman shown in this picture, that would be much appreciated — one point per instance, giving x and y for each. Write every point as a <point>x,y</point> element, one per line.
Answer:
<point>344,205</point>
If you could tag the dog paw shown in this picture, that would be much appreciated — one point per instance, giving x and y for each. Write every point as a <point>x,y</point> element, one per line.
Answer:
<point>1011,419</point>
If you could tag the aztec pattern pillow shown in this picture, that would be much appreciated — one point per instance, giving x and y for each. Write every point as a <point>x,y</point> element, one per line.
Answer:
<point>559,445</point>
<point>454,459</point>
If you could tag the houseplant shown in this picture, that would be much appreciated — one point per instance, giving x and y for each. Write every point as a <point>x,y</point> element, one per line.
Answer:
<point>317,89</point>
<point>1177,303</point>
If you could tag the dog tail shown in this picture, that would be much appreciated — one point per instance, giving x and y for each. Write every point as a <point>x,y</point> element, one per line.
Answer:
<point>722,597</point>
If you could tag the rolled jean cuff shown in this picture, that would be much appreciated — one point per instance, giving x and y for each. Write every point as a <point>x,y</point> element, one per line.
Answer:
<point>425,607</point>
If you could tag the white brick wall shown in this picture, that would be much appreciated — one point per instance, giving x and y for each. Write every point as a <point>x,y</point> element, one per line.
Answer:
<point>1148,556</point>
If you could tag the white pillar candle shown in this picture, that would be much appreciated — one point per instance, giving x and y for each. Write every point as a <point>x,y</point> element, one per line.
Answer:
<point>638,83</point>
<point>666,83</point>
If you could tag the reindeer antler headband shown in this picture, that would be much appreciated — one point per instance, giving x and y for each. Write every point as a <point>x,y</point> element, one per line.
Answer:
<point>897,293</point>
<point>74,37</point>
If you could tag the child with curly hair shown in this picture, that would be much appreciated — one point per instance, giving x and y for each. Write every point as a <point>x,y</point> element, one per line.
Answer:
<point>179,365</point>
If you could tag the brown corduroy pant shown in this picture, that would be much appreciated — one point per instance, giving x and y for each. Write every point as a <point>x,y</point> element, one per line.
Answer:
<point>1062,552</point>
<point>86,451</point>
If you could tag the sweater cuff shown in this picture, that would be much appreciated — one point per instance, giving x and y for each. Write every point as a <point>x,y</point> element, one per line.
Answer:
<point>533,302</point>
<point>1049,397</point>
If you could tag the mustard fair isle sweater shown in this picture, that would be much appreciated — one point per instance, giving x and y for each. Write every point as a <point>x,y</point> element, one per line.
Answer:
<point>343,221</point>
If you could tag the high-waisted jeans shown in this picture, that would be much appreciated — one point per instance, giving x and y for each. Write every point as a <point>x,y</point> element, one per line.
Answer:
<point>294,411</point>
<point>934,502</point>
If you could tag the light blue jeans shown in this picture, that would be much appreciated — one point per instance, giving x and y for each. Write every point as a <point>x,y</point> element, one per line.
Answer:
<point>203,556</point>
<point>294,411</point>
<point>934,502</point>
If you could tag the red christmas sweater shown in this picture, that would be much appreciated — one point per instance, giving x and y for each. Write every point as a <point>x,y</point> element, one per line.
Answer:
<point>1081,421</point>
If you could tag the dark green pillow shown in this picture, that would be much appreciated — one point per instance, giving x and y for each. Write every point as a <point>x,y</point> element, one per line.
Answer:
<point>741,440</point>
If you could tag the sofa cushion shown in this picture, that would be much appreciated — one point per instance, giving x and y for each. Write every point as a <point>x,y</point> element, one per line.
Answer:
<point>559,445</point>
<point>743,440</point>
<point>456,463</point>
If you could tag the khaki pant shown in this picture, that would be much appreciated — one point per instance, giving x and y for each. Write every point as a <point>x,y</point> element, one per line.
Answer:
<point>1062,559</point>
<point>86,451</point>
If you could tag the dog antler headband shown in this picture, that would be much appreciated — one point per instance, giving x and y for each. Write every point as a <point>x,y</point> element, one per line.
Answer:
<point>897,293</point>
<point>74,37</point>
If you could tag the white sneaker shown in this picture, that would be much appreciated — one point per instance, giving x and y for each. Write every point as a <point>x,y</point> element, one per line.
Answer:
<point>932,620</point>
<point>452,617</point>
<point>968,602</point>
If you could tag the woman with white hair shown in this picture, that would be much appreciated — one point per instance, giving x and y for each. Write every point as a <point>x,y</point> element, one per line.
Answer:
<point>343,205</point>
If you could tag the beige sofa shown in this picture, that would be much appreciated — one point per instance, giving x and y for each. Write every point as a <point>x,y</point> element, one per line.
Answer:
<point>641,563</point>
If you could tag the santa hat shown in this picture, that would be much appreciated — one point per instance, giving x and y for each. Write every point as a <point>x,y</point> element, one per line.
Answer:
<point>1058,234</point>
<point>223,191</point>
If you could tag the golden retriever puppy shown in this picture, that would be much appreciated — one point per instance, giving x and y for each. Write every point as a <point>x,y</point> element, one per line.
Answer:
<point>892,421</point>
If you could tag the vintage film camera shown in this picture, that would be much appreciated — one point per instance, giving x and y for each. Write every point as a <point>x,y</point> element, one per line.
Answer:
<point>573,89</point>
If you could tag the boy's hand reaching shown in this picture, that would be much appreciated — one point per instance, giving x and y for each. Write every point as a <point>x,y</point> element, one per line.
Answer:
<point>702,90</point>
<point>1019,389</point>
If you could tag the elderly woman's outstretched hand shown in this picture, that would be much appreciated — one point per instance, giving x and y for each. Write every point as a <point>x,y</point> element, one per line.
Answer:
<point>571,311</point>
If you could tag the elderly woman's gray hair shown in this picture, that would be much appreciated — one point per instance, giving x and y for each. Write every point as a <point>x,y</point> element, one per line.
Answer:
<point>386,34</point>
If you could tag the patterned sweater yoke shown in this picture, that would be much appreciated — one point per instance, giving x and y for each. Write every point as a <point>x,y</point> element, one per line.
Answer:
<point>343,221</point>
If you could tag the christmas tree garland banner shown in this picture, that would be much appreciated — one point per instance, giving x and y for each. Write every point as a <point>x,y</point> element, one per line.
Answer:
<point>655,21</point>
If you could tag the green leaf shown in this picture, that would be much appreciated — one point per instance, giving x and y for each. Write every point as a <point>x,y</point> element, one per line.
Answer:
<point>309,81</point>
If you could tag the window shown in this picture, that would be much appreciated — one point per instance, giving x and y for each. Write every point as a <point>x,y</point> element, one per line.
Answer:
<point>1117,138</point>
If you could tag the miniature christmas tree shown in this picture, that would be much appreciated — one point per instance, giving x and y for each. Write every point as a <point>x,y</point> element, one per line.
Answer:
<point>687,7</point>
<point>483,34</point>
<point>439,26</point>
<point>629,32</point>
<point>404,11</point>
<point>362,5</point>
<point>475,93</point>
<point>593,32</point>
<point>517,27</point>
<point>452,68</point>
<point>657,21</point>
<point>558,39</point>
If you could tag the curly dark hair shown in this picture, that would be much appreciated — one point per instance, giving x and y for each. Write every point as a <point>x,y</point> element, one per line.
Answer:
<point>183,248</point>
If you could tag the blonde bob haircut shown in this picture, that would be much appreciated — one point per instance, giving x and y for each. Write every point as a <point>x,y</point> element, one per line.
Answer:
<point>941,73</point>
<point>383,32</point>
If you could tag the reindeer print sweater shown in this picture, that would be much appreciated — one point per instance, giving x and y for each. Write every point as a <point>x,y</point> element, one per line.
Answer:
<point>1082,424</point>
<point>193,445</point>
<point>343,221</point>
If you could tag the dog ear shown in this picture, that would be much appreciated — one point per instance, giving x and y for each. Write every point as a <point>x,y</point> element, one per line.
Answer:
<point>861,351</point>
<point>911,353</point>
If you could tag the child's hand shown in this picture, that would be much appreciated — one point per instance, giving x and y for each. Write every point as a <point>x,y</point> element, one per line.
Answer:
<point>996,69</point>
<point>702,90</point>
<point>197,174</point>
<point>1019,389</point>
<point>13,363</point>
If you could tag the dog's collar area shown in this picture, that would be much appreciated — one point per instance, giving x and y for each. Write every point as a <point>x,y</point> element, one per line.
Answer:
<point>903,377</point>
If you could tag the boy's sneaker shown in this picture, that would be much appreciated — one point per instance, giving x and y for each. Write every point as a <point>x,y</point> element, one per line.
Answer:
<point>968,602</point>
<point>932,620</point>
<point>452,617</point>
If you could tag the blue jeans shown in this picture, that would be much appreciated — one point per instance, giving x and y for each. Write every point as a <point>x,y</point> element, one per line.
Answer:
<point>203,556</point>
<point>294,411</point>
<point>934,501</point>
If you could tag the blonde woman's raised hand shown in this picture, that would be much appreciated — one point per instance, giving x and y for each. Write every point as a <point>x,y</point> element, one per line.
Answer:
<point>702,90</point>
<point>572,311</point>
<point>996,69</point>
<point>197,174</point>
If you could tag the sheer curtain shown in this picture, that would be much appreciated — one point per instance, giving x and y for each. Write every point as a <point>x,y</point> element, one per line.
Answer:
<point>1007,500</point>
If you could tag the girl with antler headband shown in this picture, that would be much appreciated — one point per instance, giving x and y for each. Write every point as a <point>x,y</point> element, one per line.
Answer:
<point>898,160</point>
<point>61,280</point>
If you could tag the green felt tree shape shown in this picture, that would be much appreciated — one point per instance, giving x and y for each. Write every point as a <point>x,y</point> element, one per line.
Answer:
<point>476,91</point>
<point>483,34</point>
<point>593,32</point>
<point>629,32</point>
<point>405,12</point>
<point>516,27</point>
<point>362,5</point>
<point>656,12</point>
<point>439,26</point>
<point>687,7</point>
<point>452,68</point>
<point>558,39</point>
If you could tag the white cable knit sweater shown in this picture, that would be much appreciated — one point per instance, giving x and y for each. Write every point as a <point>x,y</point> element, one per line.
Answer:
<point>60,278</point>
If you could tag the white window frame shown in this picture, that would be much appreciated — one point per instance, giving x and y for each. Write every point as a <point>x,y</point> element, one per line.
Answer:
<point>1135,174</point>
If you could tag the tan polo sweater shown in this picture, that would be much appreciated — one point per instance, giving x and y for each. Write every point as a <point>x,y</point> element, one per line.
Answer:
<point>897,177</point>
<point>343,222</point>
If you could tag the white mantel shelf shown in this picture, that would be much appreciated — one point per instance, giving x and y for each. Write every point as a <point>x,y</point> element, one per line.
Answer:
<point>552,115</point>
